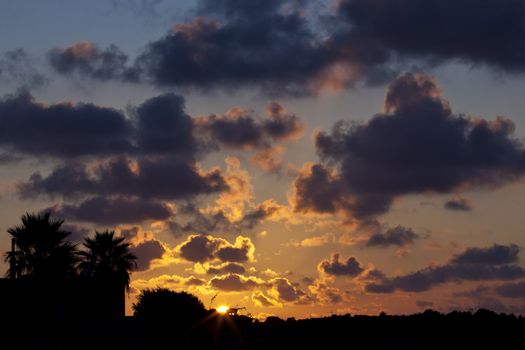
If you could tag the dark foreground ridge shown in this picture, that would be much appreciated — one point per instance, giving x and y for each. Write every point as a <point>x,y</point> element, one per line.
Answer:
<point>428,330</point>
<point>60,296</point>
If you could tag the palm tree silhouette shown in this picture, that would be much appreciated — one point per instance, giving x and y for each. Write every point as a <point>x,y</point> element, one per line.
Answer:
<point>40,249</point>
<point>107,258</point>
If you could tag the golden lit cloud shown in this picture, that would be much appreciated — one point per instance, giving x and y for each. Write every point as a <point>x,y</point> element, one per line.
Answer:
<point>269,159</point>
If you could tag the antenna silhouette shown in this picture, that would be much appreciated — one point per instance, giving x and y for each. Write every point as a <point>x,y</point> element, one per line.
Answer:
<point>212,300</point>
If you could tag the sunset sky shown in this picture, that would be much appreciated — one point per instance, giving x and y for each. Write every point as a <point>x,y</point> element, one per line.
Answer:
<point>294,157</point>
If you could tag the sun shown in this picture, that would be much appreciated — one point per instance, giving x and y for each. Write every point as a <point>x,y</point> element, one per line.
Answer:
<point>223,309</point>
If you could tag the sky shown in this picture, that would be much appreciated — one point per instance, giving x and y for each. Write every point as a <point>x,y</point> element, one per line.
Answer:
<point>295,157</point>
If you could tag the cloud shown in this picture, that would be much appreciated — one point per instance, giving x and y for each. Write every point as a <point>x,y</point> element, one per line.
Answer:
<point>458,204</point>
<point>281,124</point>
<point>159,178</point>
<point>220,221</point>
<point>65,130</point>
<point>228,267</point>
<point>494,255</point>
<point>398,236</point>
<point>474,264</point>
<point>316,241</point>
<point>235,283</point>
<point>230,46</point>
<point>399,27</point>
<point>262,300</point>
<point>146,252</point>
<point>168,281</point>
<point>416,146</point>
<point>269,159</point>
<point>479,292</point>
<point>511,290</point>
<point>159,126</point>
<point>17,67</point>
<point>319,189</point>
<point>163,127</point>
<point>240,128</point>
<point>242,250</point>
<point>336,267</point>
<point>327,295</point>
<point>201,248</point>
<point>424,304</point>
<point>110,211</point>
<point>283,290</point>
<point>86,59</point>
<point>6,158</point>
<point>61,130</point>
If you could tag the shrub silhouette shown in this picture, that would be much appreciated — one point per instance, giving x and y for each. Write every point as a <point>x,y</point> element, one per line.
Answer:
<point>162,304</point>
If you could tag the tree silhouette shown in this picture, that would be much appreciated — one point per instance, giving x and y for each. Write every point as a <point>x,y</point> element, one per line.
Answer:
<point>165,304</point>
<point>40,249</point>
<point>107,258</point>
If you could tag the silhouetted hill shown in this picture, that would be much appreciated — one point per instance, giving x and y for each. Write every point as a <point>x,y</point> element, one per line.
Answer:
<point>427,330</point>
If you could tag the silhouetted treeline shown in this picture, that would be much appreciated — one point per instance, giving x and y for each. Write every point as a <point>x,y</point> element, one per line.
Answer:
<point>57,297</point>
<point>428,330</point>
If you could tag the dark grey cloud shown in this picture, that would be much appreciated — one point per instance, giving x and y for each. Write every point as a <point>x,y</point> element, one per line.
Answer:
<point>240,128</point>
<point>286,290</point>
<point>61,130</point>
<point>146,252</point>
<point>159,126</point>
<point>163,127</point>
<point>234,45</point>
<point>262,299</point>
<point>424,304</point>
<point>416,146</point>
<point>233,8</point>
<point>479,292</point>
<point>201,248</point>
<point>231,45</point>
<point>86,59</point>
<point>494,255</point>
<point>308,280</point>
<point>512,290</point>
<point>112,211</point>
<point>458,204</point>
<point>474,264</point>
<point>398,236</point>
<point>229,267</point>
<point>6,158</point>
<point>489,34</point>
<point>190,219</point>
<point>351,267</point>
<point>18,68</point>
<point>149,153</point>
<point>234,283</point>
<point>166,178</point>
<point>235,254</point>
<point>194,281</point>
